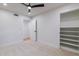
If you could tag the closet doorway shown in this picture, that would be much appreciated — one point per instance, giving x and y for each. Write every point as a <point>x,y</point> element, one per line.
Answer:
<point>69,31</point>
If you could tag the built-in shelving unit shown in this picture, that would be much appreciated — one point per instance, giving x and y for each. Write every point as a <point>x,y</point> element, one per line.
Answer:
<point>69,38</point>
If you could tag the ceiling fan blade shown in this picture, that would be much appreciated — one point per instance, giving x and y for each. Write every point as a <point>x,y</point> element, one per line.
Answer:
<point>39,5</point>
<point>24,4</point>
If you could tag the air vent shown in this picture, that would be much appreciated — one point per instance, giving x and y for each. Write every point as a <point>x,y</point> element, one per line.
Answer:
<point>16,15</point>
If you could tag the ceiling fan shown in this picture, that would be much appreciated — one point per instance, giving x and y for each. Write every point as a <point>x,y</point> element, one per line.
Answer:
<point>29,6</point>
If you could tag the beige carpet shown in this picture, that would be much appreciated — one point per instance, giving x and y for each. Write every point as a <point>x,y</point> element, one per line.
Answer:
<point>29,48</point>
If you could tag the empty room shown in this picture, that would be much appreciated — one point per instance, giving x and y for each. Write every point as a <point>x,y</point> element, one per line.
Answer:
<point>39,29</point>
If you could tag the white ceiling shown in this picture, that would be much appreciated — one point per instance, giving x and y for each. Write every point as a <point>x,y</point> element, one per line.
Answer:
<point>21,9</point>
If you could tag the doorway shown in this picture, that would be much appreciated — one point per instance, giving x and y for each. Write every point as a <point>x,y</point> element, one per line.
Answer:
<point>69,31</point>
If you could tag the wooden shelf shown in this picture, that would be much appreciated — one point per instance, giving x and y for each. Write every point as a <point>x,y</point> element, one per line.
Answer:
<point>71,31</point>
<point>70,44</point>
<point>69,39</point>
<point>69,35</point>
<point>69,49</point>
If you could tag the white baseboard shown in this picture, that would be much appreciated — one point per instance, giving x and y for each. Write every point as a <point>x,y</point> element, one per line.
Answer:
<point>50,44</point>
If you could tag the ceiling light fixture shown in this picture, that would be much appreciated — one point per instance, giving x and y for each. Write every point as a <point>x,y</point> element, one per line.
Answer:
<point>5,4</point>
<point>29,7</point>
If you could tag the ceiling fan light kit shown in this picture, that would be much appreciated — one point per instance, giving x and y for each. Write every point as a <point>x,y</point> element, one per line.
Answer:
<point>29,6</point>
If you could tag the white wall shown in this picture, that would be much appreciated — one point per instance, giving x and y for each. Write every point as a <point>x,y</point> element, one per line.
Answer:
<point>11,28</point>
<point>48,28</point>
<point>49,25</point>
<point>26,29</point>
